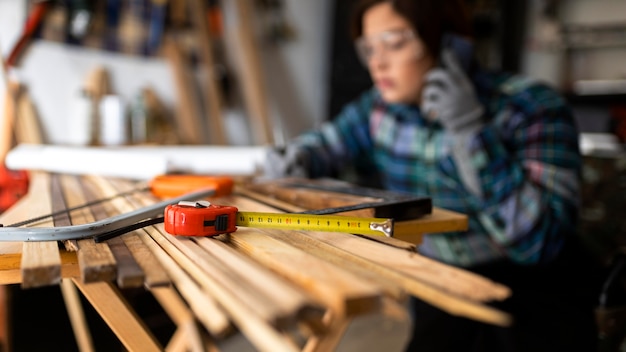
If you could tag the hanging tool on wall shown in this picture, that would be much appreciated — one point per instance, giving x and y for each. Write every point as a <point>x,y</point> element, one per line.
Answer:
<point>33,22</point>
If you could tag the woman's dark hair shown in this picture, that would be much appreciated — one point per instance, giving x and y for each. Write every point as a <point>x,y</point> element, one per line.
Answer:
<point>430,18</point>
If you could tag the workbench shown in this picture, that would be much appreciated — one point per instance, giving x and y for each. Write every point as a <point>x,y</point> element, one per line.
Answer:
<point>278,290</point>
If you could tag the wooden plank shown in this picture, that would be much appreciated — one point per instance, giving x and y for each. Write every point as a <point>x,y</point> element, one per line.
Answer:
<point>259,332</point>
<point>130,272</point>
<point>336,288</point>
<point>205,307</point>
<point>77,316</point>
<point>115,311</point>
<point>10,270</point>
<point>326,252</point>
<point>263,281</point>
<point>40,262</point>
<point>213,99</point>
<point>96,260</point>
<point>187,106</point>
<point>9,92</point>
<point>155,275</point>
<point>252,79</point>
<point>183,317</point>
<point>237,286</point>
<point>451,289</point>
<point>441,220</point>
<point>27,126</point>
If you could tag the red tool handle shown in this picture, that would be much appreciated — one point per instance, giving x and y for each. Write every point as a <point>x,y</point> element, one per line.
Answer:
<point>33,21</point>
<point>185,220</point>
<point>170,186</point>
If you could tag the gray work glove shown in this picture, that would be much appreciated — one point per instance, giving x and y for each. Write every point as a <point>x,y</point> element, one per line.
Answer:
<point>290,160</point>
<point>449,96</point>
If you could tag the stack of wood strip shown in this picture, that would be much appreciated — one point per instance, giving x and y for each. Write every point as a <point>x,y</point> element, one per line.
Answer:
<point>283,290</point>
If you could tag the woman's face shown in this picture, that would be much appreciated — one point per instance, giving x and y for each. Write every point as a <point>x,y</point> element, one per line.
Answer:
<point>395,56</point>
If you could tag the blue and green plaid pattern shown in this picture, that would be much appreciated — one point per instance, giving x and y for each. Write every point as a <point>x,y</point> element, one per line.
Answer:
<point>526,158</point>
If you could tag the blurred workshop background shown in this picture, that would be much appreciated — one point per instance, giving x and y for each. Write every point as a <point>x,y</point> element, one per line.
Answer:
<point>253,72</point>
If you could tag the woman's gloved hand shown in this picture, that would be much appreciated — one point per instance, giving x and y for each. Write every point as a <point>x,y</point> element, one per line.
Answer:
<point>449,96</point>
<point>290,160</point>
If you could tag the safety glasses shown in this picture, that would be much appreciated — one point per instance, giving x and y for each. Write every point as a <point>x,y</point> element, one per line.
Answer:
<point>393,46</point>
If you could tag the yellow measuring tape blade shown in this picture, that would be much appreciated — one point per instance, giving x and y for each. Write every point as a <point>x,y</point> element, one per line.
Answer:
<point>325,223</point>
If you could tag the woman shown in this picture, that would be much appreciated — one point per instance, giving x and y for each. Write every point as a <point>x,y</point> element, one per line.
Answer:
<point>500,148</point>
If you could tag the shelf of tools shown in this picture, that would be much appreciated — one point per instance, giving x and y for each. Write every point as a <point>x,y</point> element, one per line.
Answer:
<point>190,38</point>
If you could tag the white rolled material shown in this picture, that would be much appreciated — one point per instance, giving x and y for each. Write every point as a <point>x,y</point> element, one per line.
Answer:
<point>137,162</point>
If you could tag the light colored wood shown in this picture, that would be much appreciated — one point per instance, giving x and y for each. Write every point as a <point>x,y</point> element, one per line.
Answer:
<point>258,331</point>
<point>208,312</point>
<point>128,273</point>
<point>96,260</point>
<point>97,85</point>
<point>27,126</point>
<point>155,275</point>
<point>178,342</point>
<point>188,115</point>
<point>447,278</point>
<point>134,262</point>
<point>453,290</point>
<point>220,270</point>
<point>77,316</point>
<point>308,199</point>
<point>114,310</point>
<point>336,288</point>
<point>213,99</point>
<point>187,336</point>
<point>40,262</point>
<point>251,73</point>
<point>441,220</point>
<point>10,271</point>
<point>327,342</point>
<point>9,98</point>
<point>286,305</point>
<point>445,300</point>
<point>173,304</point>
<point>237,286</point>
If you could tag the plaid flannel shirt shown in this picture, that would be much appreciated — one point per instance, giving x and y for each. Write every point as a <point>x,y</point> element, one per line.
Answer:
<point>526,159</point>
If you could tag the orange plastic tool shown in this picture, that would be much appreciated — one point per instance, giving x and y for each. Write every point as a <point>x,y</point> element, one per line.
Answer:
<point>170,186</point>
<point>188,220</point>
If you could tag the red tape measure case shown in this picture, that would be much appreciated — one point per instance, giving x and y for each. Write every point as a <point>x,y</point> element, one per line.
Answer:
<point>184,220</point>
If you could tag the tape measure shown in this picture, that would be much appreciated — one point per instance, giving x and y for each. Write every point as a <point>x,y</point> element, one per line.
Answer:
<point>202,218</point>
